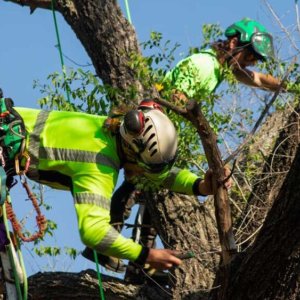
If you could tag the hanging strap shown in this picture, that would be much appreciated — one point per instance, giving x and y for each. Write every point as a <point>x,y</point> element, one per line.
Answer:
<point>12,249</point>
<point>3,188</point>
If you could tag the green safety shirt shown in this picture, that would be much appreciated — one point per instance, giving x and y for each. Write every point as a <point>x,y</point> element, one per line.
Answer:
<point>196,76</point>
<point>72,151</point>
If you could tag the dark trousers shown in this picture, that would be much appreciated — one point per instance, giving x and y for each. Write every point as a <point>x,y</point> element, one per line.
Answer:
<point>122,202</point>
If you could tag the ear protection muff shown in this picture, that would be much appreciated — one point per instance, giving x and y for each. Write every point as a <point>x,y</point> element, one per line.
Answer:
<point>134,122</point>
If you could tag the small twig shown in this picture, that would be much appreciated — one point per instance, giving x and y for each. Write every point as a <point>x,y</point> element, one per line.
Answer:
<point>231,172</point>
<point>167,104</point>
<point>262,115</point>
<point>281,25</point>
<point>297,16</point>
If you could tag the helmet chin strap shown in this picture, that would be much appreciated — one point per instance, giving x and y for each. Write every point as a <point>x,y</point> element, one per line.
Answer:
<point>127,153</point>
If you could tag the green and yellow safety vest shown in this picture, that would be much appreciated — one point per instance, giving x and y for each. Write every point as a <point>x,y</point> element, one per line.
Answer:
<point>72,151</point>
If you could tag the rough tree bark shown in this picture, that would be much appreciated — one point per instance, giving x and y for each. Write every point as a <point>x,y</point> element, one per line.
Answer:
<point>84,286</point>
<point>268,184</point>
<point>270,268</point>
<point>188,225</point>
<point>183,223</point>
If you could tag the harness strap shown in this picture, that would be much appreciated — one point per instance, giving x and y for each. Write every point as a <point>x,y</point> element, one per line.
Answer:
<point>3,188</point>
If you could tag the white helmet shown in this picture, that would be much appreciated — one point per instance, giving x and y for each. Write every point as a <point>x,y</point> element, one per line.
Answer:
<point>152,135</point>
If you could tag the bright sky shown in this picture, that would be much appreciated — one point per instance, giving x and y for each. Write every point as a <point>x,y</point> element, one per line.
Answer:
<point>28,53</point>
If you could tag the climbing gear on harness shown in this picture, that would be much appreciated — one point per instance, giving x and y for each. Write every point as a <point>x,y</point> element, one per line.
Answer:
<point>12,264</point>
<point>12,145</point>
<point>151,135</point>
<point>12,129</point>
<point>253,33</point>
<point>12,138</point>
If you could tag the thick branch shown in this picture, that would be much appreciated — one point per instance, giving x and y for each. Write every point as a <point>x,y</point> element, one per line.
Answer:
<point>84,286</point>
<point>222,208</point>
<point>213,155</point>
<point>46,4</point>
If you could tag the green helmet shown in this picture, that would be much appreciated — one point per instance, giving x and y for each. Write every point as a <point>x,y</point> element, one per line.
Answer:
<point>254,33</point>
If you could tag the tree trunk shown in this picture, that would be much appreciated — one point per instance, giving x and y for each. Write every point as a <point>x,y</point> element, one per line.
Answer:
<point>108,38</point>
<point>184,224</point>
<point>84,286</point>
<point>270,268</point>
<point>268,184</point>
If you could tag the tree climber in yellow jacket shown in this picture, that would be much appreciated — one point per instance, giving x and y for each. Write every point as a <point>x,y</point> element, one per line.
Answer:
<point>75,151</point>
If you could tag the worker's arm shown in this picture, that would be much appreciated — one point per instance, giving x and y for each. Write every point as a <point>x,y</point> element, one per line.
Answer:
<point>256,79</point>
<point>93,214</point>
<point>185,182</point>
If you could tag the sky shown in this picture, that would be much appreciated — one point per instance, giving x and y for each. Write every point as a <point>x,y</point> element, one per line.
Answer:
<point>28,52</point>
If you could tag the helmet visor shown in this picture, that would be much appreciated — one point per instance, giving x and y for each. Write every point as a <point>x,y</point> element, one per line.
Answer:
<point>262,44</point>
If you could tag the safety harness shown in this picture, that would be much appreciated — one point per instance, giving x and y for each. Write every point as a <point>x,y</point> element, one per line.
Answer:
<point>12,139</point>
<point>12,152</point>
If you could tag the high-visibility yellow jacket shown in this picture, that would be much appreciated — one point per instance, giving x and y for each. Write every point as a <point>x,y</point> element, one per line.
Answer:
<point>72,151</point>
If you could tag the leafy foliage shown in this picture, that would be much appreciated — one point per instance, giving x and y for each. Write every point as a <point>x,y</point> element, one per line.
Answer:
<point>76,91</point>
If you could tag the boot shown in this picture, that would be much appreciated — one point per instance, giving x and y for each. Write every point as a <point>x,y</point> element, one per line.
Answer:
<point>110,263</point>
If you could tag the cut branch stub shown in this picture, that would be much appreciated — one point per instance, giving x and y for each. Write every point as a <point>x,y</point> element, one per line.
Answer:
<point>208,138</point>
<point>221,200</point>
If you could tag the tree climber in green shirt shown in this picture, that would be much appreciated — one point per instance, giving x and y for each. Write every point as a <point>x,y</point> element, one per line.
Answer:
<point>198,75</point>
<point>77,152</point>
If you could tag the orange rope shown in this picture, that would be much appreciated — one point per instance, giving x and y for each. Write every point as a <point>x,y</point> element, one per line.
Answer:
<point>40,219</point>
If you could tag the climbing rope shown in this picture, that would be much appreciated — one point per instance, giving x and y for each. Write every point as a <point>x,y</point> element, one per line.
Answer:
<point>15,261</point>
<point>99,276</point>
<point>60,48</point>
<point>128,11</point>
